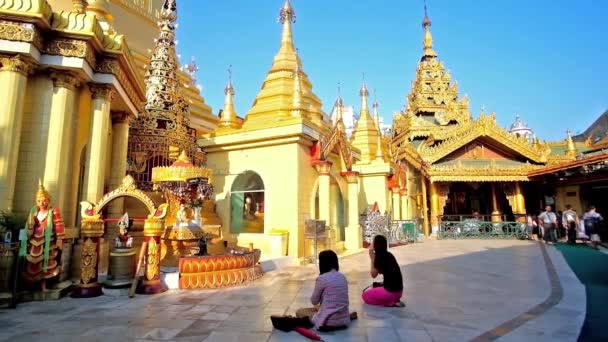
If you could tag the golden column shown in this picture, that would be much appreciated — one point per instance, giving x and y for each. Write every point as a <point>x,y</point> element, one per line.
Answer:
<point>152,284</point>
<point>334,192</point>
<point>58,148</point>
<point>425,208</point>
<point>396,203</point>
<point>496,217</point>
<point>519,202</point>
<point>324,192</point>
<point>120,142</point>
<point>434,208</point>
<point>13,80</point>
<point>404,205</point>
<point>354,235</point>
<point>98,141</point>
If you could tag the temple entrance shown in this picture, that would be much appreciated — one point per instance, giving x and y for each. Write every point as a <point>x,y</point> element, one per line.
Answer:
<point>467,199</point>
<point>337,209</point>
<point>247,204</point>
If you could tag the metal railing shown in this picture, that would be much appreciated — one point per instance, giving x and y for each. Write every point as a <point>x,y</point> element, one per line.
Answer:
<point>474,228</point>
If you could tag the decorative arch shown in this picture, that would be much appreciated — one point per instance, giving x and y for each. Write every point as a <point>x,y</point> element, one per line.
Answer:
<point>247,203</point>
<point>126,189</point>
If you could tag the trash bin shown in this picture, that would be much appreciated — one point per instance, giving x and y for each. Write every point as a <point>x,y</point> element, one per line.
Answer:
<point>278,242</point>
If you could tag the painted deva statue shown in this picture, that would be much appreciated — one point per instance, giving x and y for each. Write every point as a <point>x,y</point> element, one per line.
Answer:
<point>42,242</point>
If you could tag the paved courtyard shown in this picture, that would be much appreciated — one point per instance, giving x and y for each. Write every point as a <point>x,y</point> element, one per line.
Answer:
<point>454,290</point>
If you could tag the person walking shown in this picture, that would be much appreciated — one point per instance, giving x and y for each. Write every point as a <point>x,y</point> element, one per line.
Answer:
<point>593,225</point>
<point>548,220</point>
<point>571,222</point>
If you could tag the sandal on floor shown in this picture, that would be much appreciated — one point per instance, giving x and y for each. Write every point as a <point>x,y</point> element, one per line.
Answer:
<point>399,304</point>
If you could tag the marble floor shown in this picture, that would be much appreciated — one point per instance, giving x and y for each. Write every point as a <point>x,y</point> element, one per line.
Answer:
<point>455,290</point>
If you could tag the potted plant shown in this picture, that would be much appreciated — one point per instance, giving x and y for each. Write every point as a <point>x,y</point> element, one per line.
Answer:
<point>196,205</point>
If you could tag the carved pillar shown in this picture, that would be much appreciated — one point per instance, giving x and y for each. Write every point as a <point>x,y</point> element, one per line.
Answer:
<point>425,209</point>
<point>98,141</point>
<point>404,205</point>
<point>396,203</point>
<point>151,283</point>
<point>58,148</point>
<point>13,81</point>
<point>90,232</point>
<point>495,205</point>
<point>324,191</point>
<point>120,140</point>
<point>354,234</point>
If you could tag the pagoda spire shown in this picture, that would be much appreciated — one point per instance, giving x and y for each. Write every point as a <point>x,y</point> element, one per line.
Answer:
<point>285,84</point>
<point>375,106</point>
<point>287,16</point>
<point>428,38</point>
<point>365,117</point>
<point>339,105</point>
<point>365,134</point>
<point>229,117</point>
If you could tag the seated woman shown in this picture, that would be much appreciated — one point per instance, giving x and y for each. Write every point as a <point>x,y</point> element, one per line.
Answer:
<point>383,262</point>
<point>330,298</point>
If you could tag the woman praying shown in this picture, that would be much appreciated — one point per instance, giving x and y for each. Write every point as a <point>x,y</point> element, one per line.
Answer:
<point>383,262</point>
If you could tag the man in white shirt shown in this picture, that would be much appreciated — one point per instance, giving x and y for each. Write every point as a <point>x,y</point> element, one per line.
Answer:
<point>571,222</point>
<point>548,220</point>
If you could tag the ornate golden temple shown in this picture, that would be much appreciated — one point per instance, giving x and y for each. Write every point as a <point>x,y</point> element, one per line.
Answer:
<point>93,92</point>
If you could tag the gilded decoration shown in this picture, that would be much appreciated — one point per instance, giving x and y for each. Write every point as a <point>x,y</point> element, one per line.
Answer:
<point>65,80</point>
<point>153,259</point>
<point>337,137</point>
<point>78,23</point>
<point>219,270</point>
<point>39,9</point>
<point>88,266</point>
<point>101,91</point>
<point>143,8</point>
<point>17,63</point>
<point>165,125</point>
<point>20,32</point>
<point>71,48</point>
<point>92,212</point>
<point>110,65</point>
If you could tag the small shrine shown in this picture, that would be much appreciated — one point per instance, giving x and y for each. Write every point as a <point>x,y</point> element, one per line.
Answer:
<point>185,187</point>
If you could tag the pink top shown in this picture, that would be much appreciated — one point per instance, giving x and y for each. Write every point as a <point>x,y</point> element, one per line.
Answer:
<point>331,291</point>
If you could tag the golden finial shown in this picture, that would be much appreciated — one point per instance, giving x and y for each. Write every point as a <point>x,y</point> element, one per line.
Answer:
<point>228,117</point>
<point>79,6</point>
<point>570,148</point>
<point>42,191</point>
<point>375,106</point>
<point>183,157</point>
<point>428,38</point>
<point>169,11</point>
<point>339,105</point>
<point>287,16</point>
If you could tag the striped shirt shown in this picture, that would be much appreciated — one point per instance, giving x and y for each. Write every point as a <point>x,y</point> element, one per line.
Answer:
<point>331,291</point>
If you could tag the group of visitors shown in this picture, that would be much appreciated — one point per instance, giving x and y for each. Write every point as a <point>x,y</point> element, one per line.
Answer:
<point>568,226</point>
<point>330,295</point>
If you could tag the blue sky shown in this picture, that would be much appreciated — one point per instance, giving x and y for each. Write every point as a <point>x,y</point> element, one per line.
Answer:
<point>544,59</point>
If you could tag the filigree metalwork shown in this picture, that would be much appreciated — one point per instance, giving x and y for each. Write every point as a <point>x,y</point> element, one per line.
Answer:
<point>164,127</point>
<point>476,229</point>
<point>21,32</point>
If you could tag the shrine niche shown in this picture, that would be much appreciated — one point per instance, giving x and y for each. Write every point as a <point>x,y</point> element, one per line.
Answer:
<point>93,230</point>
<point>247,204</point>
